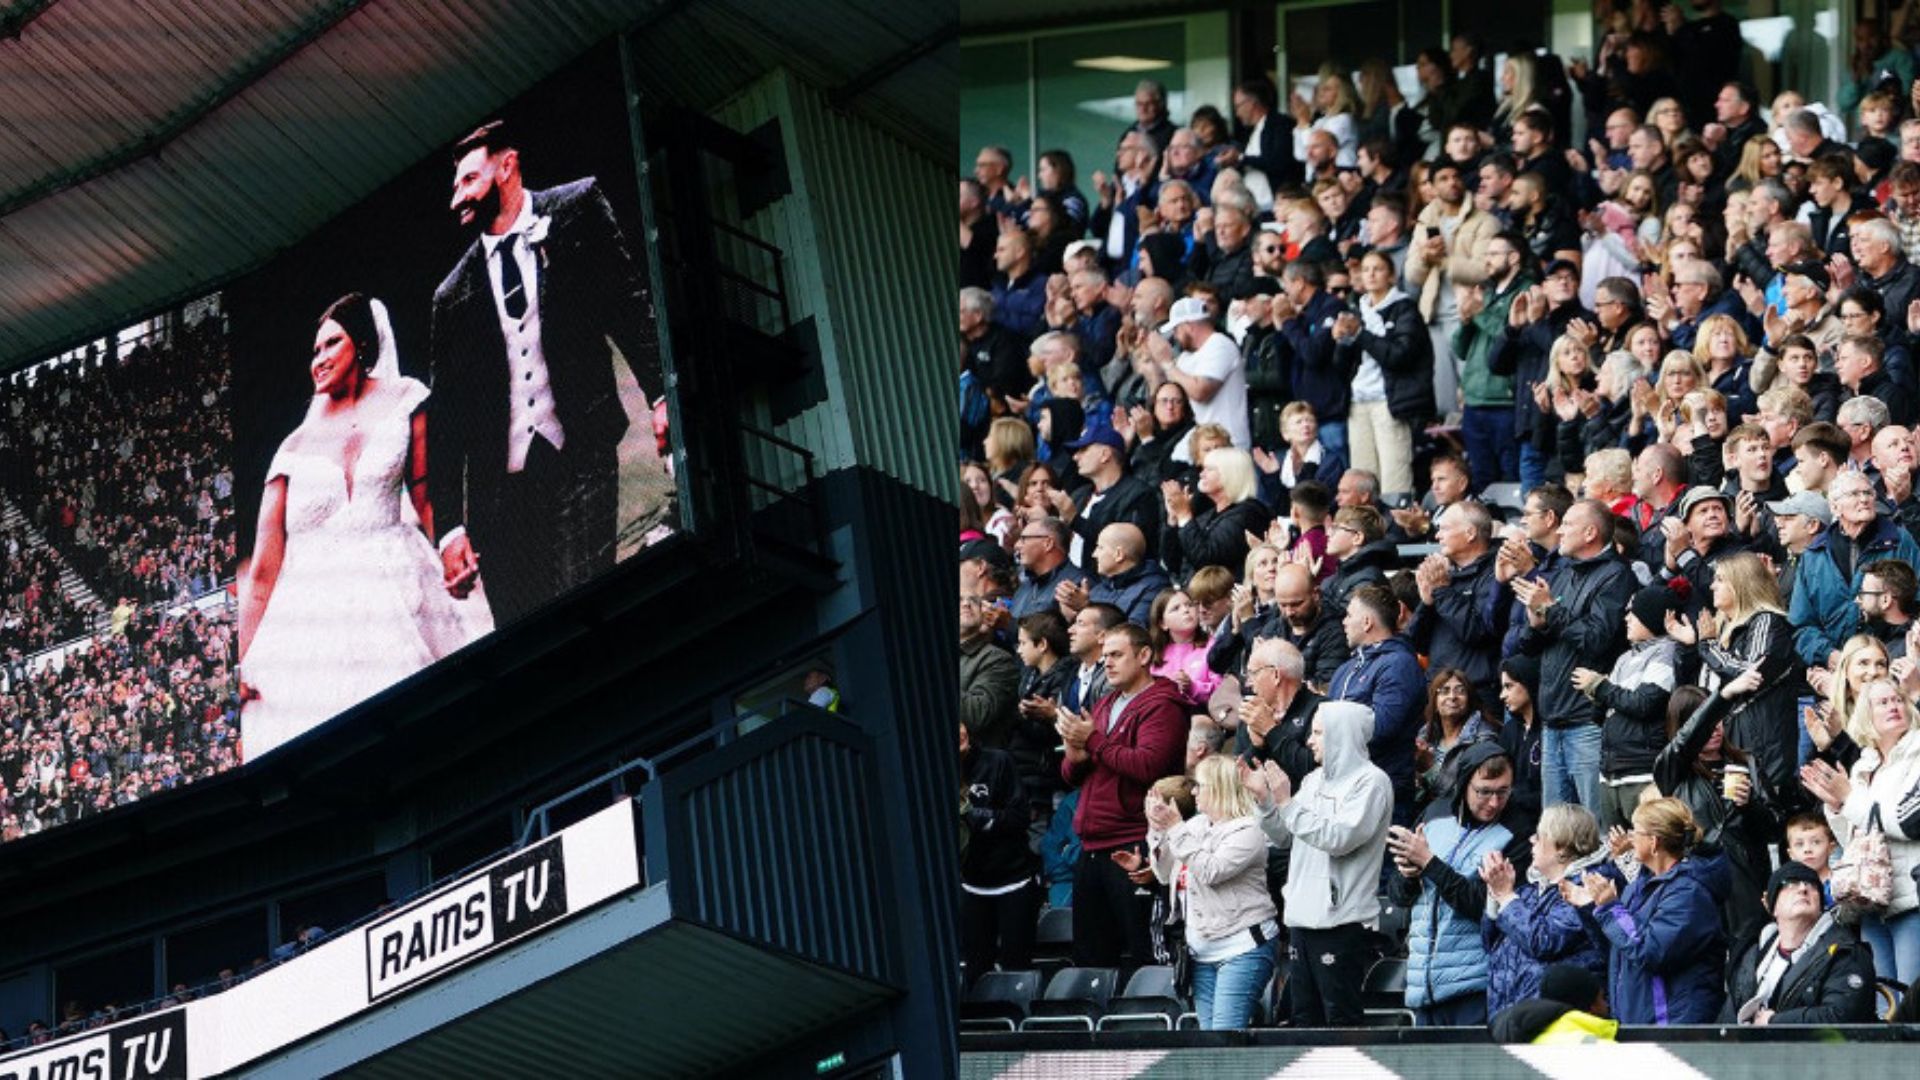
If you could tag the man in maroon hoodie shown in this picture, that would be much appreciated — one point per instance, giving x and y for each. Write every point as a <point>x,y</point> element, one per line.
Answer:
<point>1134,736</point>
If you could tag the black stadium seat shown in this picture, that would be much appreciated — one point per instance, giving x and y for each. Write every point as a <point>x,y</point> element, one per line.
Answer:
<point>1384,995</point>
<point>1053,940</point>
<point>1074,1000</point>
<point>999,1000</point>
<point>1151,1003</point>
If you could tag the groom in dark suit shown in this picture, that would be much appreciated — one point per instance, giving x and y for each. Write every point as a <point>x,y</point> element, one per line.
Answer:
<point>526,412</point>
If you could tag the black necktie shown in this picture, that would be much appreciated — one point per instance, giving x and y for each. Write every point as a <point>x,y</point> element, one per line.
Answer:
<point>513,287</point>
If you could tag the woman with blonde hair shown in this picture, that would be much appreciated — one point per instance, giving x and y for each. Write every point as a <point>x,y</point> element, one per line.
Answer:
<point>1746,630</point>
<point>1528,924</point>
<point>1231,919</point>
<point>1670,119</point>
<point>1863,659</point>
<point>1334,110</point>
<point>1009,449</point>
<point>1759,160</point>
<point>1214,532</point>
<point>1667,948</point>
<point>1516,96</point>
<point>1877,793</point>
<point>1722,349</point>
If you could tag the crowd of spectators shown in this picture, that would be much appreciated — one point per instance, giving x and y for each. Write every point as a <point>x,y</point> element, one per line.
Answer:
<point>130,713</point>
<point>122,470</point>
<point>35,612</point>
<point>126,467</point>
<point>1380,503</point>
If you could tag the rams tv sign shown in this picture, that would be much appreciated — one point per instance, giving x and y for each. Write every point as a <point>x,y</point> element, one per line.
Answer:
<point>466,919</point>
<point>153,1048</point>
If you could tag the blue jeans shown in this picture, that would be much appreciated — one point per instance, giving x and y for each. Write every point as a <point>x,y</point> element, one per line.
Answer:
<point>1533,467</point>
<point>1896,945</point>
<point>1492,455</point>
<point>1333,436</point>
<point>1570,766</point>
<point>1224,993</point>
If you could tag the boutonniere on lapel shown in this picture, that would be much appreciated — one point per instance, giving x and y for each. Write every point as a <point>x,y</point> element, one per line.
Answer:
<point>537,236</point>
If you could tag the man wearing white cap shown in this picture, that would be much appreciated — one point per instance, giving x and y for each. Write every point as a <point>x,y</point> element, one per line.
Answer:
<point>1798,519</point>
<point>1209,369</point>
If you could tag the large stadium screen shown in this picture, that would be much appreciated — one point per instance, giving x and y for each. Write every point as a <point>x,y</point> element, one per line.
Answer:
<point>437,413</point>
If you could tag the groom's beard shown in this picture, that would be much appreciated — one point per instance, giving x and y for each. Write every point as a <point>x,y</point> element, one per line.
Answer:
<point>484,209</point>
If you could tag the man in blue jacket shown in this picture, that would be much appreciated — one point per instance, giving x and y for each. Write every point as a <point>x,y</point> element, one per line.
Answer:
<point>1822,611</point>
<point>1385,675</point>
<point>1124,577</point>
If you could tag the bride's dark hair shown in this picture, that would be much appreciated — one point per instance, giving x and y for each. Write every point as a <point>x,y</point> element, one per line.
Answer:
<point>354,313</point>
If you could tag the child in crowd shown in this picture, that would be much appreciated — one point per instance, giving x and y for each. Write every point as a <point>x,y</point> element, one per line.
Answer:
<point>1634,695</point>
<point>1211,589</point>
<point>1181,647</point>
<point>1811,843</point>
<point>1305,539</point>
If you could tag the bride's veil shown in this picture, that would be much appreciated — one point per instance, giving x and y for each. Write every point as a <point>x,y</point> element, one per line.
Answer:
<point>388,364</point>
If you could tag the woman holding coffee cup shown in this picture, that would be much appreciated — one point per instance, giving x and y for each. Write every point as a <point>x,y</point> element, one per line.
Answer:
<point>1700,767</point>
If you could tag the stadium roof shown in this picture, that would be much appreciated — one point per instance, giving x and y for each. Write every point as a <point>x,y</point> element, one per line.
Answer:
<point>152,149</point>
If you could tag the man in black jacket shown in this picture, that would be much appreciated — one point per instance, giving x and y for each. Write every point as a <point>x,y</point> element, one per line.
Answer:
<point>1267,145</point>
<point>1573,620</point>
<point>1462,613</point>
<point>1309,625</point>
<point>1805,968</point>
<point>1115,496</point>
<point>1000,894</point>
<point>1357,538</point>
<point>1736,119</point>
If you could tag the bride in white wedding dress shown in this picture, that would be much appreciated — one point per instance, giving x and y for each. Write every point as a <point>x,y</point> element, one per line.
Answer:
<point>344,595</point>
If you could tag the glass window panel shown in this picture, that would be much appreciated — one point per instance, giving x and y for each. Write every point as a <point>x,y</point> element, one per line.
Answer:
<point>993,101</point>
<point>1086,83</point>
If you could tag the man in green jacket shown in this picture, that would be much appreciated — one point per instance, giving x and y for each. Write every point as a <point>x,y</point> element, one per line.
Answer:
<point>1487,421</point>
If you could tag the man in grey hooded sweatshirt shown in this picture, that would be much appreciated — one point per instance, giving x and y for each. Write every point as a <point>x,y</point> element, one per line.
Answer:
<point>1336,827</point>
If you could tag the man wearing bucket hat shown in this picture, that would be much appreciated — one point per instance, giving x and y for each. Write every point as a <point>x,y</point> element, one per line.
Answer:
<point>1209,368</point>
<point>1698,537</point>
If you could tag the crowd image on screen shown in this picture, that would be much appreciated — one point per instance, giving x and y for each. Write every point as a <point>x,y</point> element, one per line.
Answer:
<point>1415,565</point>
<point>117,643</point>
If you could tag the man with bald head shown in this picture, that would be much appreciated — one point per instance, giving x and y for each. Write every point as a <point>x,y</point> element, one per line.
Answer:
<point>1463,611</point>
<point>1323,151</point>
<point>1893,461</point>
<point>1122,575</point>
<point>1307,624</point>
<point>1573,620</point>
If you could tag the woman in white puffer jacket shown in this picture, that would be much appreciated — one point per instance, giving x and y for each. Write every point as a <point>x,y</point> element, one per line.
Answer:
<point>1885,786</point>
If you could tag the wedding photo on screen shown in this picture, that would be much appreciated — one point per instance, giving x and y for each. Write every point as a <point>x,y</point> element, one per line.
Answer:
<point>441,410</point>
<point>451,411</point>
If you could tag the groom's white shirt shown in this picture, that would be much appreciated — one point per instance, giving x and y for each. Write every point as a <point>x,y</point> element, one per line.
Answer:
<point>530,408</point>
